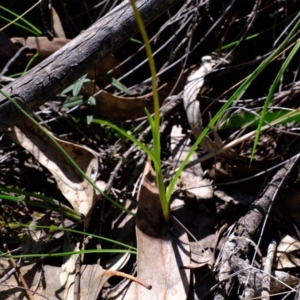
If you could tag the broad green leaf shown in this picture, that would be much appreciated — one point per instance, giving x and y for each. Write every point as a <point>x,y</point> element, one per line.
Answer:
<point>72,87</point>
<point>78,85</point>
<point>91,108</point>
<point>73,101</point>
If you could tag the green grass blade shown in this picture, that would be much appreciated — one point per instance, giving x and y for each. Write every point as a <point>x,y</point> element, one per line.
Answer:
<point>65,154</point>
<point>156,126</point>
<point>158,171</point>
<point>78,85</point>
<point>41,201</point>
<point>255,35</point>
<point>31,28</point>
<point>247,119</point>
<point>155,136</point>
<point>19,25</point>
<point>54,229</point>
<point>61,254</point>
<point>151,62</point>
<point>128,136</point>
<point>236,94</point>
<point>271,93</point>
<point>30,62</point>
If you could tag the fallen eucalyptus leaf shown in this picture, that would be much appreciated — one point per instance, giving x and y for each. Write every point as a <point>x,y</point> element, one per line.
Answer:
<point>161,252</point>
<point>75,188</point>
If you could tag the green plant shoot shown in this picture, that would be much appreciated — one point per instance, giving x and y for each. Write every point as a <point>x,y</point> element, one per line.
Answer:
<point>154,122</point>
<point>65,154</point>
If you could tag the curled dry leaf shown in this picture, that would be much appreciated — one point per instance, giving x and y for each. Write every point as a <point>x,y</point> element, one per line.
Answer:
<point>7,51</point>
<point>57,26</point>
<point>287,253</point>
<point>11,289</point>
<point>161,252</point>
<point>75,188</point>
<point>191,180</point>
<point>116,108</point>
<point>192,105</point>
<point>68,271</point>
<point>92,280</point>
<point>41,44</point>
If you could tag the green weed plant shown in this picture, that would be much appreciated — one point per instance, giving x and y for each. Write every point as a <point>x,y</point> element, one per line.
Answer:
<point>20,21</point>
<point>155,152</point>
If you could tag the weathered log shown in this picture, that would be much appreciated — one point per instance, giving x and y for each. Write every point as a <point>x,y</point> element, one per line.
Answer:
<point>76,58</point>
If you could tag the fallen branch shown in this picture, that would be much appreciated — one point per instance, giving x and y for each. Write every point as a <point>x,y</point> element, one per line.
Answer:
<point>76,58</point>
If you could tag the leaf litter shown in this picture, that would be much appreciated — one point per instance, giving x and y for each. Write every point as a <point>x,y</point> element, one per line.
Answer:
<point>204,245</point>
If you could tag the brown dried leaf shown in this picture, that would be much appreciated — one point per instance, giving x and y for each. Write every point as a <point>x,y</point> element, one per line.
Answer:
<point>68,271</point>
<point>119,108</point>
<point>286,253</point>
<point>92,279</point>
<point>108,65</point>
<point>41,44</point>
<point>161,254</point>
<point>191,180</point>
<point>57,26</point>
<point>11,289</point>
<point>7,51</point>
<point>75,188</point>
